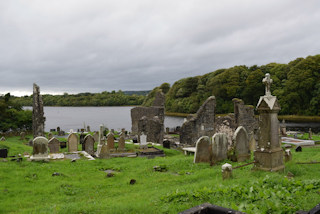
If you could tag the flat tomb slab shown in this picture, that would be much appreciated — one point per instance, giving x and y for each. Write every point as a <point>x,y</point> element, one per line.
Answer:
<point>297,142</point>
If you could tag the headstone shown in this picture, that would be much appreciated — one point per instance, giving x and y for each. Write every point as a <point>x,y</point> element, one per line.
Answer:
<point>82,136</point>
<point>89,144</point>
<point>72,142</point>
<point>299,149</point>
<point>203,150</point>
<point>226,171</point>
<point>63,144</point>
<point>3,153</point>
<point>58,129</point>
<point>252,143</point>
<point>101,136</point>
<point>61,133</point>
<point>104,152</point>
<point>96,136</point>
<point>167,130</point>
<point>219,147</point>
<point>88,129</point>
<point>121,144</point>
<point>37,113</point>
<point>143,141</point>
<point>22,136</point>
<point>54,145</point>
<point>269,154</point>
<point>310,134</point>
<point>50,135</point>
<point>40,149</point>
<point>3,138</point>
<point>241,143</point>
<point>110,141</point>
<point>135,139</point>
<point>287,155</point>
<point>166,144</point>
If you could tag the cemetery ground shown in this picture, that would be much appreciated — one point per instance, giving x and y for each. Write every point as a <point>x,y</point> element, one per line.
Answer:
<point>62,186</point>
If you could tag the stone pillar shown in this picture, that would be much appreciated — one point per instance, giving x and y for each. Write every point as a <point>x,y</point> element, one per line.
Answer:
<point>101,139</point>
<point>269,154</point>
<point>37,113</point>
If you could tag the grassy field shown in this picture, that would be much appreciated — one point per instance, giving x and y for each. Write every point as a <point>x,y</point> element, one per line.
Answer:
<point>83,187</point>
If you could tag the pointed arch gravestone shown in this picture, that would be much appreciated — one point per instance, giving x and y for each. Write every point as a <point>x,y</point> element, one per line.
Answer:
<point>54,145</point>
<point>40,149</point>
<point>88,143</point>
<point>110,141</point>
<point>241,142</point>
<point>203,150</point>
<point>72,142</point>
<point>219,147</point>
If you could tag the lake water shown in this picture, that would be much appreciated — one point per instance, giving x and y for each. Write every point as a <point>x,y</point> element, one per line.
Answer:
<point>78,117</point>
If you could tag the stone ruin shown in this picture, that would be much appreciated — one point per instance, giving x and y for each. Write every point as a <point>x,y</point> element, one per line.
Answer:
<point>37,113</point>
<point>150,120</point>
<point>202,124</point>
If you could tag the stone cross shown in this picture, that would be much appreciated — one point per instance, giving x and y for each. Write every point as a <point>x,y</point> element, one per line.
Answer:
<point>267,81</point>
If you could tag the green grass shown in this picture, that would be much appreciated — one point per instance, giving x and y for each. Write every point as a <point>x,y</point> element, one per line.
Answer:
<point>29,187</point>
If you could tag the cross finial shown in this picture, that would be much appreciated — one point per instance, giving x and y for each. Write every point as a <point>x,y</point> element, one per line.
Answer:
<point>267,81</point>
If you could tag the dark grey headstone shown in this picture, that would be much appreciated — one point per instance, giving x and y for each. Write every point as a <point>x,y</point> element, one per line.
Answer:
<point>3,153</point>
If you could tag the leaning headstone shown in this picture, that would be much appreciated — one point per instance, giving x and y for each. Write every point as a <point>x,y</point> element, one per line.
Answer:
<point>226,171</point>
<point>54,145</point>
<point>89,144</point>
<point>40,149</point>
<point>37,113</point>
<point>121,144</point>
<point>72,142</point>
<point>3,153</point>
<point>240,139</point>
<point>219,147</point>
<point>110,141</point>
<point>143,141</point>
<point>22,136</point>
<point>203,150</point>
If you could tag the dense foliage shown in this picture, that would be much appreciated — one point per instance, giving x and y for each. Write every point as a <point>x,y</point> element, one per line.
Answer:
<point>296,84</point>
<point>12,116</point>
<point>105,98</point>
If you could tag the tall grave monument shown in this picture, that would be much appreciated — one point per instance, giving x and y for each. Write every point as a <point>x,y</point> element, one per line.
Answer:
<point>37,113</point>
<point>269,154</point>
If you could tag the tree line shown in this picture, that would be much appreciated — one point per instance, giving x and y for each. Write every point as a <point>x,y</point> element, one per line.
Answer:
<point>296,85</point>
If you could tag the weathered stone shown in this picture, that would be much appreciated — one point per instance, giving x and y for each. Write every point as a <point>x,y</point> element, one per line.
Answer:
<point>226,124</point>
<point>88,143</point>
<point>153,128</point>
<point>50,135</point>
<point>82,136</point>
<point>40,149</point>
<point>241,143</point>
<point>203,150</point>
<point>143,141</point>
<point>58,129</point>
<point>167,130</point>
<point>121,144</point>
<point>54,145</point>
<point>219,147</point>
<point>110,141</point>
<point>96,136</point>
<point>37,113</point>
<point>101,136</point>
<point>166,144</point>
<point>202,124</point>
<point>226,171</point>
<point>138,112</point>
<point>88,129</point>
<point>104,153</point>
<point>268,155</point>
<point>159,99</point>
<point>72,142</point>
<point>22,136</point>
<point>252,143</point>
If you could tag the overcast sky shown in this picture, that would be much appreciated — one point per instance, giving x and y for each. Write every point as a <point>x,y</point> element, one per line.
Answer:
<point>93,46</point>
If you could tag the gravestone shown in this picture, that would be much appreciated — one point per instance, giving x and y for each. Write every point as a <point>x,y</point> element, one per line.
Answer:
<point>143,141</point>
<point>40,149</point>
<point>287,155</point>
<point>166,144</point>
<point>88,129</point>
<point>110,141</point>
<point>226,171</point>
<point>219,147</point>
<point>167,130</point>
<point>88,143</point>
<point>63,144</point>
<point>252,143</point>
<point>3,138</point>
<point>203,150</point>
<point>104,152</point>
<point>54,145</point>
<point>72,142</point>
<point>101,136</point>
<point>299,149</point>
<point>58,129</point>
<point>3,153</point>
<point>202,124</point>
<point>37,113</point>
<point>50,135</point>
<point>96,136</point>
<point>241,143</point>
<point>268,155</point>
<point>121,144</point>
<point>82,136</point>
<point>22,136</point>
